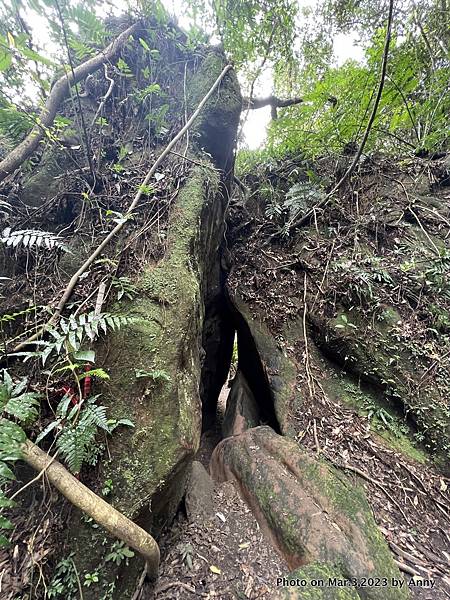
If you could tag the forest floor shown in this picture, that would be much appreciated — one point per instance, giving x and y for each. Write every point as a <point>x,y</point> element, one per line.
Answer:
<point>223,555</point>
<point>249,565</point>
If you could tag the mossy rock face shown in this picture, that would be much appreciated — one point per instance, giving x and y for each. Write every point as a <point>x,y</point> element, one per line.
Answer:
<point>308,509</point>
<point>216,126</point>
<point>387,364</point>
<point>162,346</point>
<point>316,581</point>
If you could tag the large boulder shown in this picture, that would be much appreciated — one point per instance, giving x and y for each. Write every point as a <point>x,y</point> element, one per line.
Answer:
<point>266,366</point>
<point>155,361</point>
<point>308,509</point>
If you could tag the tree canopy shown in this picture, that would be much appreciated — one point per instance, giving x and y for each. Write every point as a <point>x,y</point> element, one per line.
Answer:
<point>283,40</point>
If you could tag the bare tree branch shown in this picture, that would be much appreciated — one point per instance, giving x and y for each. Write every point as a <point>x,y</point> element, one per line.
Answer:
<point>355,161</point>
<point>87,263</point>
<point>59,92</point>
<point>272,101</point>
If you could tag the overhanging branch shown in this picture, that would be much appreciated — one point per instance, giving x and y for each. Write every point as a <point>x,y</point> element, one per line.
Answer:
<point>272,101</point>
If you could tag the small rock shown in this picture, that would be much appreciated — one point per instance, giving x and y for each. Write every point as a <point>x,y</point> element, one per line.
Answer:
<point>199,494</point>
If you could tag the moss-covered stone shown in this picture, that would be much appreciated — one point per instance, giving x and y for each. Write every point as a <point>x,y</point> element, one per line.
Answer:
<point>149,462</point>
<point>279,370</point>
<point>216,127</point>
<point>310,511</point>
<point>162,342</point>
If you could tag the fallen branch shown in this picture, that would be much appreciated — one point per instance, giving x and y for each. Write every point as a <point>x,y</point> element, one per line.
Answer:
<point>379,486</point>
<point>255,103</point>
<point>95,507</point>
<point>59,92</point>
<point>87,263</point>
<point>407,569</point>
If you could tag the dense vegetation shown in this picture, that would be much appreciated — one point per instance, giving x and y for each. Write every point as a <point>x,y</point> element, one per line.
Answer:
<point>394,102</point>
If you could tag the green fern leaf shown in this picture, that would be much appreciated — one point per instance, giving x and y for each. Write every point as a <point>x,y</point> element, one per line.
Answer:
<point>31,237</point>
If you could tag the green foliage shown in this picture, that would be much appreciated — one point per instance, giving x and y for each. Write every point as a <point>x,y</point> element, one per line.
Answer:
<point>18,407</point>
<point>119,553</point>
<point>6,318</point>
<point>298,200</point>
<point>72,333</point>
<point>107,488</point>
<point>14,124</point>
<point>77,443</point>
<point>90,578</point>
<point>124,287</point>
<point>77,426</point>
<point>156,375</point>
<point>413,111</point>
<point>143,94</point>
<point>16,402</point>
<point>64,583</point>
<point>249,30</point>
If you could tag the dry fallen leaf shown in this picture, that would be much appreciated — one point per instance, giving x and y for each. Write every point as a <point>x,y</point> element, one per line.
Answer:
<point>215,570</point>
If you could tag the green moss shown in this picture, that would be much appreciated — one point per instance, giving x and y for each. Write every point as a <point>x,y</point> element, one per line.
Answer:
<point>164,338</point>
<point>215,129</point>
<point>281,371</point>
<point>350,500</point>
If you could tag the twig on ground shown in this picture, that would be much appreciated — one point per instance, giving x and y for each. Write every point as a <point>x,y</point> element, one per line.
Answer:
<point>378,484</point>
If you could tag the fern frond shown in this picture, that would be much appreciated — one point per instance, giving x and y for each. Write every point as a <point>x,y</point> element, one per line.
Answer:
<point>31,237</point>
<point>95,415</point>
<point>72,332</point>
<point>24,407</point>
<point>77,444</point>
<point>15,401</point>
<point>13,316</point>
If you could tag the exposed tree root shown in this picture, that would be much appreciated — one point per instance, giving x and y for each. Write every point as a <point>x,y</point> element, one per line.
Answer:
<point>59,92</point>
<point>94,506</point>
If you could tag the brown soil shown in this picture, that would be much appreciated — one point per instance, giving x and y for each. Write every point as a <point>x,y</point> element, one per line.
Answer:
<point>231,542</point>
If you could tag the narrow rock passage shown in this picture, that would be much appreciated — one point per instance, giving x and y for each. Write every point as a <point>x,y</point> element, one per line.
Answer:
<point>218,551</point>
